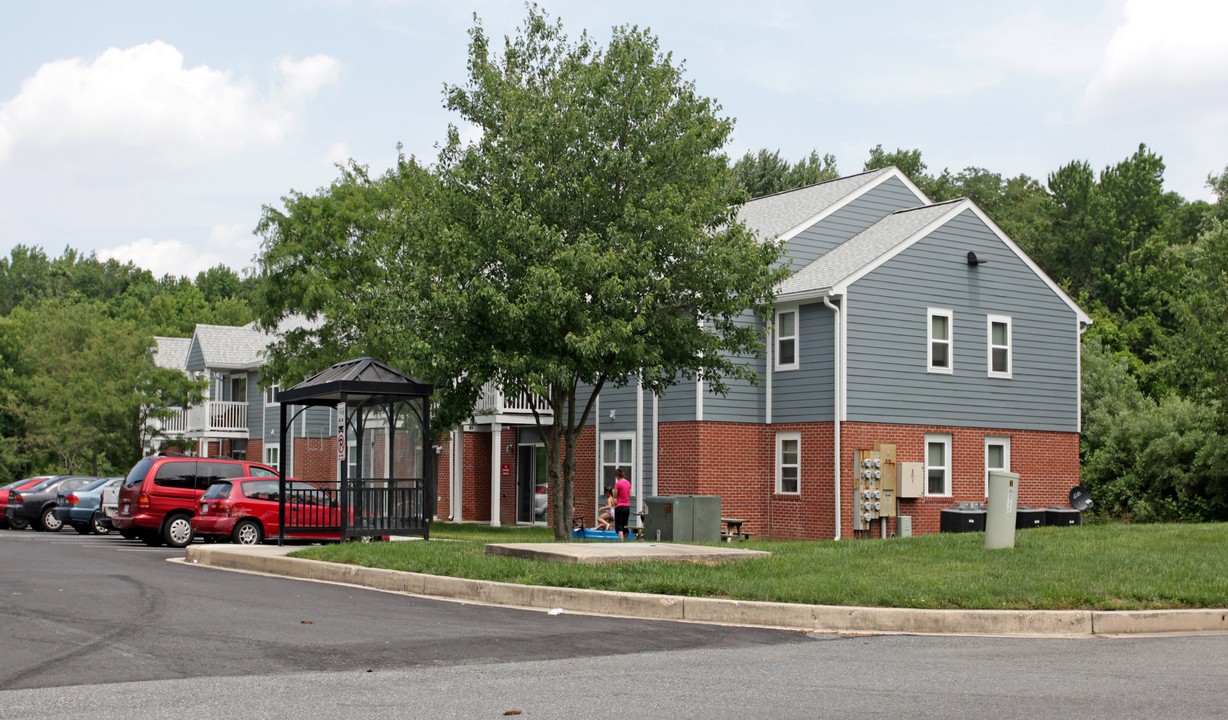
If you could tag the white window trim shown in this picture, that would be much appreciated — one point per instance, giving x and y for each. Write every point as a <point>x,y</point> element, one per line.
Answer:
<point>633,477</point>
<point>269,393</point>
<point>948,455</point>
<point>265,453</point>
<point>781,438</point>
<point>797,317</point>
<point>930,314</point>
<point>1010,350</point>
<point>1005,442</point>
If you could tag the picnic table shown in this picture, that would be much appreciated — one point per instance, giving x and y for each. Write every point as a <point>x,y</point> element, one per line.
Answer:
<point>733,530</point>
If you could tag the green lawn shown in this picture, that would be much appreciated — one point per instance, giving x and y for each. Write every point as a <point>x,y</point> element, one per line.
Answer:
<point>1107,567</point>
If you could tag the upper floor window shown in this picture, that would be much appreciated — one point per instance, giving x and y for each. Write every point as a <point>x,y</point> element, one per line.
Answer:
<point>937,464</point>
<point>941,349</point>
<point>788,462</point>
<point>786,340</point>
<point>999,331</point>
<point>270,394</point>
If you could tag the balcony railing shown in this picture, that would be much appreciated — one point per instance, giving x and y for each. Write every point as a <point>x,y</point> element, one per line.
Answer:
<point>493,402</point>
<point>176,424</point>
<point>217,416</point>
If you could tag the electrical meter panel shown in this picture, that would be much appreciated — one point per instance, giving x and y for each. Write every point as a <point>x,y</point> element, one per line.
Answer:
<point>910,479</point>
<point>875,485</point>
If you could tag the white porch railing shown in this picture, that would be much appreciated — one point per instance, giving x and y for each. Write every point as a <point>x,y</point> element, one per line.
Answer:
<point>176,424</point>
<point>217,416</point>
<point>494,402</point>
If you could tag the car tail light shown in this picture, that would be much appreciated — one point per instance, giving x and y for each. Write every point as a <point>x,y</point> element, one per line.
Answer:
<point>72,499</point>
<point>142,501</point>
<point>14,498</point>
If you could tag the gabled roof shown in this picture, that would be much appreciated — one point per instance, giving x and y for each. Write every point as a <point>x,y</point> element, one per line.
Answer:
<point>230,348</point>
<point>171,353</point>
<point>863,249</point>
<point>784,214</point>
<point>831,274</point>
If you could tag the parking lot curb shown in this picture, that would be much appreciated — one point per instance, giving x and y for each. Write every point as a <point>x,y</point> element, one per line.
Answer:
<point>814,618</point>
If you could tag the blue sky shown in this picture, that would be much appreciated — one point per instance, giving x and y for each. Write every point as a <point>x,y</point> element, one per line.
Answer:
<point>156,131</point>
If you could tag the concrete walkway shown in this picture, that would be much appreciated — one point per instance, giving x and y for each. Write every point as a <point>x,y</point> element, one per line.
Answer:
<point>272,560</point>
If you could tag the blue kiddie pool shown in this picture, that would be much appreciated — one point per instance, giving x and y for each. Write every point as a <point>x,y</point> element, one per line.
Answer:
<point>587,534</point>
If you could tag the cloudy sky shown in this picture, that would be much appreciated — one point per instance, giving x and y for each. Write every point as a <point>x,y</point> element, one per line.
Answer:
<point>156,131</point>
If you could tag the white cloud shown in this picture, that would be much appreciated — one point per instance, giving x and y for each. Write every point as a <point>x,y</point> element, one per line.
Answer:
<point>1036,44</point>
<point>305,77</point>
<point>143,104</point>
<point>1168,62</point>
<point>229,244</point>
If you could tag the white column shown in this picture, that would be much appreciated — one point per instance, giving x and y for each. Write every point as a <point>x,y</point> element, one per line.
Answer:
<point>496,457</point>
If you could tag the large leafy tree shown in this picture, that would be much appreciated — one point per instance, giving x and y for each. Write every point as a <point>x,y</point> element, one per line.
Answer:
<point>587,238</point>
<point>765,172</point>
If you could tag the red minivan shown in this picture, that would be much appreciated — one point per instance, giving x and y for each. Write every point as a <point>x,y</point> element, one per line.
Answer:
<point>161,494</point>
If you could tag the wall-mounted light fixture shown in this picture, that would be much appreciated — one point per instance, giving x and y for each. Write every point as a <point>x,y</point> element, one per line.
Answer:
<point>974,259</point>
<point>611,414</point>
<point>509,448</point>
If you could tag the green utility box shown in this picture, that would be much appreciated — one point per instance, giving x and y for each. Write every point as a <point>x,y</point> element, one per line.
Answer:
<point>683,518</point>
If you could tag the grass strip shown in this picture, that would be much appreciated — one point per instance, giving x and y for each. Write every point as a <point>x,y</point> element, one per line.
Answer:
<point>1103,567</point>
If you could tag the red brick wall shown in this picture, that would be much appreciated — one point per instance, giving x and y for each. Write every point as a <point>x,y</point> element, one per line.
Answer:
<point>315,459</point>
<point>737,462</point>
<point>1047,463</point>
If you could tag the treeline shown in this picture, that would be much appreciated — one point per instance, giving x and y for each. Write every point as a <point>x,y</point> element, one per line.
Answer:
<point>78,386</point>
<point>1152,270</point>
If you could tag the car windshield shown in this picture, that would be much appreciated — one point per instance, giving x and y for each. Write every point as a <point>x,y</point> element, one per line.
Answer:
<point>217,490</point>
<point>72,484</point>
<point>14,484</point>
<point>94,484</point>
<point>44,484</point>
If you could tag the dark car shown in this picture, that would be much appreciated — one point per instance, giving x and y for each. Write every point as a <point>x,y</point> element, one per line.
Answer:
<point>21,523</point>
<point>36,505</point>
<point>161,493</point>
<point>80,508</point>
<point>246,510</point>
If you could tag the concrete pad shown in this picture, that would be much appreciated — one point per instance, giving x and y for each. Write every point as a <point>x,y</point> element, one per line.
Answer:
<point>607,553</point>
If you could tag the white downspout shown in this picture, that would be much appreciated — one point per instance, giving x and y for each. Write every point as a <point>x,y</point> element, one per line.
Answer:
<point>837,372</point>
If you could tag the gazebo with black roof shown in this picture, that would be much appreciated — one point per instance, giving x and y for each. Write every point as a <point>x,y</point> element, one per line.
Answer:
<point>385,481</point>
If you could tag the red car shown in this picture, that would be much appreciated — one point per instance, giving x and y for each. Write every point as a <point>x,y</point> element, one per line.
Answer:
<point>161,494</point>
<point>245,510</point>
<point>17,523</point>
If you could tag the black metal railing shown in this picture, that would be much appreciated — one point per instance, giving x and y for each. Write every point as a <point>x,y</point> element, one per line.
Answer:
<point>367,507</point>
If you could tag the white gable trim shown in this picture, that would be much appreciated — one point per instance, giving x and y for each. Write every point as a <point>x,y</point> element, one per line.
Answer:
<point>892,172</point>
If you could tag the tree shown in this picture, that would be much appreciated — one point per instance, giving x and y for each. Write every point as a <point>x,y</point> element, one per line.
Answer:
<point>588,238</point>
<point>766,172</point>
<point>85,385</point>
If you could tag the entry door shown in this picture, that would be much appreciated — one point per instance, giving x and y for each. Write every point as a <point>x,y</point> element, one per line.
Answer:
<point>532,486</point>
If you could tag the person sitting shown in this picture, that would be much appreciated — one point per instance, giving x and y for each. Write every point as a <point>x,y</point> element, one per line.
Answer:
<point>605,514</point>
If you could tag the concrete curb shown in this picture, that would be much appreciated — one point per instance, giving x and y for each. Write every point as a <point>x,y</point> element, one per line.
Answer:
<point>813,618</point>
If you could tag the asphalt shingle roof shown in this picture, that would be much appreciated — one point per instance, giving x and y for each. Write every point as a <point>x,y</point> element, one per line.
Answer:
<point>231,347</point>
<point>771,216</point>
<point>171,352</point>
<point>863,249</point>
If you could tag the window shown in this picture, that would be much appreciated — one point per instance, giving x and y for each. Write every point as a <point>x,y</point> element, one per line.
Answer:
<point>272,454</point>
<point>997,457</point>
<point>941,348</point>
<point>999,331</point>
<point>788,463</point>
<point>786,340</point>
<point>270,394</point>
<point>616,453</point>
<point>937,465</point>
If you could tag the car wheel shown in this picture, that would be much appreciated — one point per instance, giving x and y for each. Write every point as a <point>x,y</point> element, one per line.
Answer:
<point>82,529</point>
<point>151,539</point>
<point>177,532</point>
<point>96,525</point>
<point>19,524</point>
<point>247,532</point>
<point>49,522</point>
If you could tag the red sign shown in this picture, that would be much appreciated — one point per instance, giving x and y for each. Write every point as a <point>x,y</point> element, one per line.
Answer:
<point>506,470</point>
